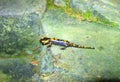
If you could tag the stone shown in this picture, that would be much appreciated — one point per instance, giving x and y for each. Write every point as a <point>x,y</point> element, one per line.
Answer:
<point>81,5</point>
<point>19,7</point>
<point>20,20</point>
<point>99,8</point>
<point>81,64</point>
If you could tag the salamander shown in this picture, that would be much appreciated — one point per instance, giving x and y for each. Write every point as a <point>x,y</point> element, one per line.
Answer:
<point>60,42</point>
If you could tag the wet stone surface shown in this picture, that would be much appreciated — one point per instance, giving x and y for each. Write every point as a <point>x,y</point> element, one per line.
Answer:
<point>24,59</point>
<point>82,64</point>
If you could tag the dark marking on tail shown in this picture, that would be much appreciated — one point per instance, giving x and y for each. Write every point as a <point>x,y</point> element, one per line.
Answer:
<point>79,46</point>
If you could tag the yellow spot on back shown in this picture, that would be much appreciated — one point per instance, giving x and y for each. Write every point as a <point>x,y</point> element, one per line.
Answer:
<point>65,40</point>
<point>85,46</point>
<point>52,39</point>
<point>73,44</point>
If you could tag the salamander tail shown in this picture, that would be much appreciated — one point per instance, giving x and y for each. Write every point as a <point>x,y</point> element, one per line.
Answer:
<point>84,47</point>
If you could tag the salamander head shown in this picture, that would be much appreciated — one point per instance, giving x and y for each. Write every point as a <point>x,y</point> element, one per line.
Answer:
<point>45,40</point>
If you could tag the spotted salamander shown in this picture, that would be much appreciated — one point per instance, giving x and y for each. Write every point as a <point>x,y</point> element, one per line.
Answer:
<point>60,42</point>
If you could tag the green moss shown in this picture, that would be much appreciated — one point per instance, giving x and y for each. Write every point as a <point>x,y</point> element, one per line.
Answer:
<point>4,77</point>
<point>50,4</point>
<point>68,3</point>
<point>88,16</point>
<point>106,22</point>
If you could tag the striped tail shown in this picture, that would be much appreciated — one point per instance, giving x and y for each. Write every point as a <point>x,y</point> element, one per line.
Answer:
<point>79,46</point>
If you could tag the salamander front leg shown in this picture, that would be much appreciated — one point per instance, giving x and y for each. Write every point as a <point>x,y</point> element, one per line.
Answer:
<point>49,46</point>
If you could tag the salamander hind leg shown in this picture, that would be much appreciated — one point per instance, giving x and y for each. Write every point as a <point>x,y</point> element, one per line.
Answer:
<point>63,48</point>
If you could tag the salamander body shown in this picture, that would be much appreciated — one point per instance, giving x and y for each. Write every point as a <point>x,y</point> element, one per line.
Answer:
<point>60,42</point>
